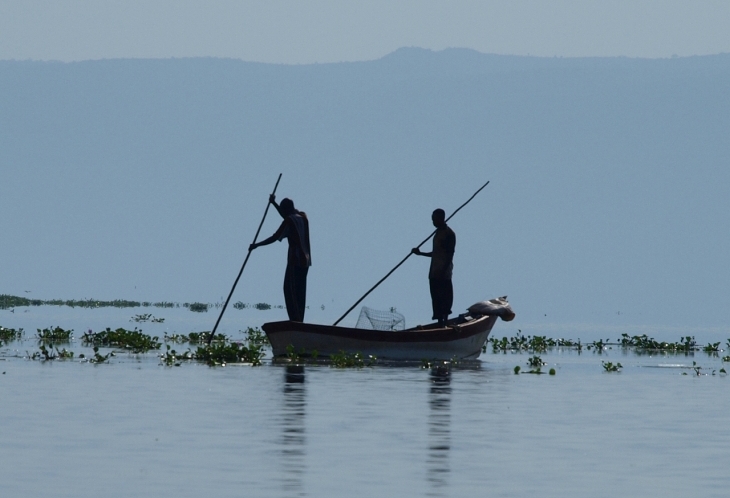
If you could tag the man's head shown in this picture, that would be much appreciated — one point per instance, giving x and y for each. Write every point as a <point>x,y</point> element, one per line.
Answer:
<point>287,206</point>
<point>438,217</point>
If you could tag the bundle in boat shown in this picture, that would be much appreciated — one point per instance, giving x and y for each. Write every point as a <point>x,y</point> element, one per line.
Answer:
<point>497,306</point>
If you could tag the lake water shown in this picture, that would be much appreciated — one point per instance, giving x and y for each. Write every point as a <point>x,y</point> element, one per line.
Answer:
<point>135,428</point>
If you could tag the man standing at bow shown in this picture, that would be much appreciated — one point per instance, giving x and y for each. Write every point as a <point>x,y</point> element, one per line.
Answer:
<point>295,228</point>
<point>442,264</point>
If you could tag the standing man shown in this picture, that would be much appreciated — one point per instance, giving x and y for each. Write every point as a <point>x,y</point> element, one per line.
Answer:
<point>295,228</point>
<point>442,264</point>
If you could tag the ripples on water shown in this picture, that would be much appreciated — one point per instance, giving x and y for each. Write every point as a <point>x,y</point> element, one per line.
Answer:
<point>134,428</point>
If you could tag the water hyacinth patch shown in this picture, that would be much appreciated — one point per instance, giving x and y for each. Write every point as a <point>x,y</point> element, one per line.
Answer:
<point>133,340</point>
<point>611,367</point>
<point>7,335</point>
<point>194,338</point>
<point>144,317</point>
<point>197,307</point>
<point>234,352</point>
<point>173,358</point>
<point>54,334</point>
<point>350,360</point>
<point>51,353</point>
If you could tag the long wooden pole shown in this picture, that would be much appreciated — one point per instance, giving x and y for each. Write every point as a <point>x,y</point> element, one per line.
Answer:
<point>404,259</point>
<point>244,264</point>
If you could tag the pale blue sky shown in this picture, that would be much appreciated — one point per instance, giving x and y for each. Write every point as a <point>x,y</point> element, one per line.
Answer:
<point>332,30</point>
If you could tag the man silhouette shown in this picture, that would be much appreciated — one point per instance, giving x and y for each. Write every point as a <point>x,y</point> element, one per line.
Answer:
<point>442,264</point>
<point>295,228</point>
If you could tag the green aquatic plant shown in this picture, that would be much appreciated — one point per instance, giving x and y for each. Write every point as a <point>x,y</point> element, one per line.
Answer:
<point>293,355</point>
<point>520,342</point>
<point>535,361</point>
<point>552,371</point>
<point>133,340</point>
<point>517,369</point>
<point>611,367</point>
<point>7,335</point>
<point>51,353</point>
<point>598,345</point>
<point>173,358</point>
<point>256,336</point>
<point>686,344</point>
<point>194,338</point>
<point>726,359</point>
<point>350,360</point>
<point>218,353</point>
<point>54,334</point>
<point>262,306</point>
<point>712,348</point>
<point>144,317</point>
<point>697,369</point>
<point>100,358</point>
<point>197,307</point>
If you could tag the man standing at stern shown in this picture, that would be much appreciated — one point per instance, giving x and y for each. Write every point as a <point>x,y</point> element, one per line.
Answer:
<point>295,228</point>
<point>442,264</point>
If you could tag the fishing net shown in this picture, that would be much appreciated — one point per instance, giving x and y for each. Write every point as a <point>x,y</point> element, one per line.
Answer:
<point>380,320</point>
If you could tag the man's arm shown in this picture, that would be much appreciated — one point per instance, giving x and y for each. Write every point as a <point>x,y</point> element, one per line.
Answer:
<point>418,252</point>
<point>278,235</point>
<point>272,200</point>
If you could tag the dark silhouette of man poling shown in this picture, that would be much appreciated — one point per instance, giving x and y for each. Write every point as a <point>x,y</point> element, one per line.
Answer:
<point>295,228</point>
<point>442,265</point>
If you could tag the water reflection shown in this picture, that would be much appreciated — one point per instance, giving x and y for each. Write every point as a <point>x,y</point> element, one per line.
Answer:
<point>439,431</point>
<point>293,438</point>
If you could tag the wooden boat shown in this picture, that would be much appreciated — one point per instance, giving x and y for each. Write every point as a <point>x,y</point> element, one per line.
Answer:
<point>461,338</point>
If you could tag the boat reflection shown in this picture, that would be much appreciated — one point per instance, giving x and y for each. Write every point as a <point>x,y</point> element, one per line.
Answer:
<point>293,437</point>
<point>439,431</point>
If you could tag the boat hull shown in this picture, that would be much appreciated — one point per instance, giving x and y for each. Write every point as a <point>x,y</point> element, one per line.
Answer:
<point>461,339</point>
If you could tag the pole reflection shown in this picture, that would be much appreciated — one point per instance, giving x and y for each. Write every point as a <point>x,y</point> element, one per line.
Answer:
<point>439,431</point>
<point>293,437</point>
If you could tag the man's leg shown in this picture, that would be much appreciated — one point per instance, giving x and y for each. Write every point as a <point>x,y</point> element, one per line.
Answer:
<point>442,297</point>
<point>290,293</point>
<point>300,287</point>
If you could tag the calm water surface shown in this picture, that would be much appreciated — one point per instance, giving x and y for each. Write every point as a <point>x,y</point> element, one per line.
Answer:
<point>135,428</point>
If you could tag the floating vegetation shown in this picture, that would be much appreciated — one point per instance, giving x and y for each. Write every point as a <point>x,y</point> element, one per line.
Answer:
<point>350,360</point>
<point>197,307</point>
<point>292,355</point>
<point>51,353</point>
<point>536,344</point>
<point>598,345</point>
<point>233,352</point>
<point>52,334</point>
<point>133,340</point>
<point>535,361</point>
<point>643,342</point>
<point>256,336</point>
<point>611,367</point>
<point>98,357</point>
<point>8,302</point>
<point>437,365</point>
<point>712,348</point>
<point>146,317</point>
<point>194,338</point>
<point>640,343</point>
<point>8,335</point>
<point>173,358</point>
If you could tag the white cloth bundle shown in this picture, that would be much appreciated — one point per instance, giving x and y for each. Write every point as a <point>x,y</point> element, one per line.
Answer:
<point>497,306</point>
